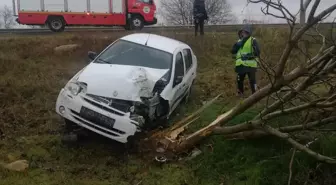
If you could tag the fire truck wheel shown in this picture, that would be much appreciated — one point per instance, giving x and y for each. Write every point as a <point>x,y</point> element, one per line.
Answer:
<point>56,24</point>
<point>137,23</point>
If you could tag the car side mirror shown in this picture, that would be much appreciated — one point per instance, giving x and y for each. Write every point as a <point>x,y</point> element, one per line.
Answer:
<point>178,80</point>
<point>92,55</point>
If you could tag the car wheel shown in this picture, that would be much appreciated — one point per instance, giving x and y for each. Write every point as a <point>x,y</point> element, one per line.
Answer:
<point>136,23</point>
<point>165,122</point>
<point>131,143</point>
<point>56,24</point>
<point>69,126</point>
<point>187,97</point>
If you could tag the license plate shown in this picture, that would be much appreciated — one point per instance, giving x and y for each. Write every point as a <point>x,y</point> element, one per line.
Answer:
<point>97,118</point>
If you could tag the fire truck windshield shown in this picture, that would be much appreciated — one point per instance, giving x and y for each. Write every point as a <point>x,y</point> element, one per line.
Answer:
<point>146,1</point>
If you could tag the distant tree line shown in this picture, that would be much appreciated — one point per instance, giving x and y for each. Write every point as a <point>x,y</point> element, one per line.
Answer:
<point>6,17</point>
<point>180,12</point>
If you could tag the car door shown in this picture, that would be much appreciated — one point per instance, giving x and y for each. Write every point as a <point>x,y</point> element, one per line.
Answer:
<point>178,80</point>
<point>189,68</point>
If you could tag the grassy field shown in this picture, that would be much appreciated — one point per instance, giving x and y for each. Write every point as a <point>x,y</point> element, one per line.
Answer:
<point>32,75</point>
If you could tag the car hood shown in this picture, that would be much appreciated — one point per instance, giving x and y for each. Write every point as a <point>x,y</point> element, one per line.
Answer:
<point>120,81</point>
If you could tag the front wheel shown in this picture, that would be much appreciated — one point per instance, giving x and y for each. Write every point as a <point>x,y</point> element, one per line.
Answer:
<point>69,126</point>
<point>136,23</point>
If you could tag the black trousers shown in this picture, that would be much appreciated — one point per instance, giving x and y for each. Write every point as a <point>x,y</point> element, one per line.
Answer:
<point>199,23</point>
<point>252,79</point>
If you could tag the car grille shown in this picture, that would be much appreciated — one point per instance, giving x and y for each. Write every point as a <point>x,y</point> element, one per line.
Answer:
<point>121,105</point>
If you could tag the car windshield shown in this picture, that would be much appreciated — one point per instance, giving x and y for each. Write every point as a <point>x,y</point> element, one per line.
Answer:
<point>128,53</point>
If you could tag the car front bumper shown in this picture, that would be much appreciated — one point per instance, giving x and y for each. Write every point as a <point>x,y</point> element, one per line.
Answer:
<point>111,123</point>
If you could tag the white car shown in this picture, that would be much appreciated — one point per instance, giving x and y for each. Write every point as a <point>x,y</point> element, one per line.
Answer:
<point>140,78</point>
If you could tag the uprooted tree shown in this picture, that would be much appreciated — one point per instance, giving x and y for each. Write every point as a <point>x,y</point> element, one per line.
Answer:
<point>290,90</point>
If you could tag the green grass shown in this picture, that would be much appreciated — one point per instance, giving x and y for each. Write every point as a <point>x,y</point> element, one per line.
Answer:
<point>31,75</point>
<point>99,161</point>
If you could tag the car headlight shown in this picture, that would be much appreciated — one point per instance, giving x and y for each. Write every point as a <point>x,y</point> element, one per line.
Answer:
<point>132,109</point>
<point>75,88</point>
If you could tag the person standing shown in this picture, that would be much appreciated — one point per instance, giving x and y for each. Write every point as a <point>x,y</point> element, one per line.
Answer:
<point>246,51</point>
<point>200,15</point>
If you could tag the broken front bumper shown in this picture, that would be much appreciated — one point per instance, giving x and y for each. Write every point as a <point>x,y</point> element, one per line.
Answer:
<point>95,116</point>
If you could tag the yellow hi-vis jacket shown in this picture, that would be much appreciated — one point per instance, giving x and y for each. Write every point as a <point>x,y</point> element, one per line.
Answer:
<point>246,50</point>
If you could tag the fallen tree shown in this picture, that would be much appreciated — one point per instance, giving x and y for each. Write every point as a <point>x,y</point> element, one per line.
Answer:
<point>298,82</point>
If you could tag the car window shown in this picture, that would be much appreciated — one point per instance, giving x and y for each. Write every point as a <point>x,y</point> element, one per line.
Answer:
<point>179,66</point>
<point>129,53</point>
<point>187,58</point>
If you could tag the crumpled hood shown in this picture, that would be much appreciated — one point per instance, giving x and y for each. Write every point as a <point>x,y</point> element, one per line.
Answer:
<point>120,81</point>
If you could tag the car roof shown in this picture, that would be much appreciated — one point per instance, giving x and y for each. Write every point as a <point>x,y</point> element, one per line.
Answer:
<point>155,41</point>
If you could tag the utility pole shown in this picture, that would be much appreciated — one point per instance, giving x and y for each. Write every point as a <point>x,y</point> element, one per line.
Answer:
<point>14,8</point>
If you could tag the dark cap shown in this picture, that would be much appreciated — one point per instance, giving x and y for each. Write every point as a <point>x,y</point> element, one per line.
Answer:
<point>247,28</point>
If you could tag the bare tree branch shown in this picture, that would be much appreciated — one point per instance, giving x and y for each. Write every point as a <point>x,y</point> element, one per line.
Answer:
<point>299,71</point>
<point>7,17</point>
<point>238,130</point>
<point>313,10</point>
<point>299,146</point>
<point>306,4</point>
<point>290,167</point>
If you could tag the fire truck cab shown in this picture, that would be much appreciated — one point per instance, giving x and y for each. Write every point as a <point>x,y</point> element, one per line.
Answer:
<point>57,14</point>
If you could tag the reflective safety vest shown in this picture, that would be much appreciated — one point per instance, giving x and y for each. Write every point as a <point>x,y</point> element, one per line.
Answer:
<point>247,49</point>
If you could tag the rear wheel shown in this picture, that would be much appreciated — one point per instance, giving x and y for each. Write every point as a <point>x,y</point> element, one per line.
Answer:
<point>56,24</point>
<point>187,96</point>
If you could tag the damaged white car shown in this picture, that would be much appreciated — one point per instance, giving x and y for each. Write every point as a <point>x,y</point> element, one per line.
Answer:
<point>138,79</point>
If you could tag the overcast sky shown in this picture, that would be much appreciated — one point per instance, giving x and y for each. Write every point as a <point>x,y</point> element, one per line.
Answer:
<point>253,10</point>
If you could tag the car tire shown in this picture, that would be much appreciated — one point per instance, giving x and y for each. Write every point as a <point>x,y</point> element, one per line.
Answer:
<point>56,24</point>
<point>165,122</point>
<point>69,126</point>
<point>131,143</point>
<point>187,97</point>
<point>136,23</point>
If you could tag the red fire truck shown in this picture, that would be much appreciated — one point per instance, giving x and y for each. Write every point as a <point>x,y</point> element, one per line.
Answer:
<point>56,14</point>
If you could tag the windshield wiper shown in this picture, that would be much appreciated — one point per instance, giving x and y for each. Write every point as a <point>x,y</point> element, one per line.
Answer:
<point>102,61</point>
<point>120,54</point>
